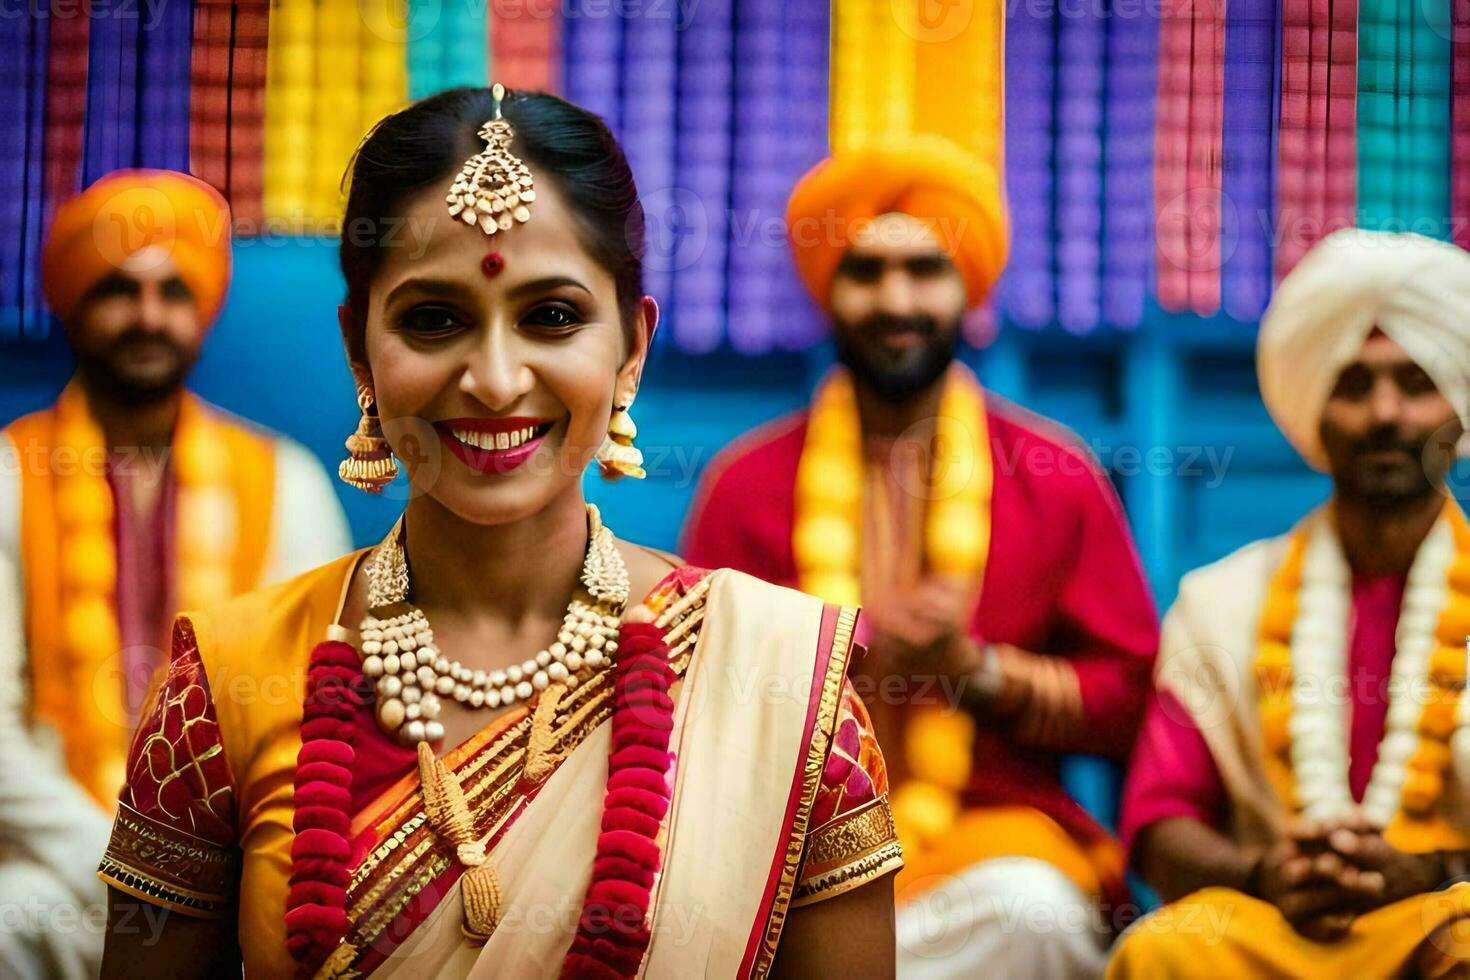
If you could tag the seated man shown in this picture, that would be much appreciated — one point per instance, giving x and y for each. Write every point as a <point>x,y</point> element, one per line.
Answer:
<point>1299,790</point>
<point>131,498</point>
<point>1010,619</point>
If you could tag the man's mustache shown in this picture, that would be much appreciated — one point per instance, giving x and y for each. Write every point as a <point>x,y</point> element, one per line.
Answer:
<point>1387,441</point>
<point>139,337</point>
<point>919,323</point>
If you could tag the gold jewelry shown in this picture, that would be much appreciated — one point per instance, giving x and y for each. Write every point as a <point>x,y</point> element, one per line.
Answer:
<point>449,814</point>
<point>494,186</point>
<point>411,675</point>
<point>617,455</point>
<point>369,465</point>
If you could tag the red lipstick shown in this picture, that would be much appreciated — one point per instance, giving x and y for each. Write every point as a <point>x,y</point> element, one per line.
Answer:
<point>493,445</point>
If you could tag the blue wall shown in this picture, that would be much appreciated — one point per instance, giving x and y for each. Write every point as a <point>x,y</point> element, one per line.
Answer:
<point>1172,409</point>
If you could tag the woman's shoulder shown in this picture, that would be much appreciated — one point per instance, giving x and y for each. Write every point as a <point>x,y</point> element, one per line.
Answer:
<point>276,618</point>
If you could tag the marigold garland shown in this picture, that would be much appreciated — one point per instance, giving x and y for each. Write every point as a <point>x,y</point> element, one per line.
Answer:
<point>1415,753</point>
<point>827,546</point>
<point>86,520</point>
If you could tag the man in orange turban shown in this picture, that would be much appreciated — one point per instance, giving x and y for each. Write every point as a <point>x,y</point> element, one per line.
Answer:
<point>130,498</point>
<point>1008,618</point>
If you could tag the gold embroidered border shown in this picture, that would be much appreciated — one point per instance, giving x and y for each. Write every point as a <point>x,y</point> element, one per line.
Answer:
<point>850,838</point>
<point>811,779</point>
<point>396,840</point>
<point>372,926</point>
<point>845,879</point>
<point>362,904</point>
<point>167,866</point>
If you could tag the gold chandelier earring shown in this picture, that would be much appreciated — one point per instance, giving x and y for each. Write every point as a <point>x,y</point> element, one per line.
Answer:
<point>369,465</point>
<point>617,455</point>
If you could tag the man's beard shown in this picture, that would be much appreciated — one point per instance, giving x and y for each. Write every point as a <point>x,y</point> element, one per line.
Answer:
<point>106,375</point>
<point>897,374</point>
<point>1386,487</point>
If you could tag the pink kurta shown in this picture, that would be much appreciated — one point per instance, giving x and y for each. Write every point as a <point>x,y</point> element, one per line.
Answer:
<point>1173,773</point>
<point>1063,578</point>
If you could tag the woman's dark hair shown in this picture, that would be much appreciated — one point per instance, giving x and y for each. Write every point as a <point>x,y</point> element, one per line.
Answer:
<point>424,145</point>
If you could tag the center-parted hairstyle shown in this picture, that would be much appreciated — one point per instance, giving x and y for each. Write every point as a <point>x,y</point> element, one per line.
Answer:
<point>419,149</point>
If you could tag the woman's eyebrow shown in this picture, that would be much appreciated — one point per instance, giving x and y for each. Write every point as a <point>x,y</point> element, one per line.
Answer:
<point>429,284</point>
<point>545,284</point>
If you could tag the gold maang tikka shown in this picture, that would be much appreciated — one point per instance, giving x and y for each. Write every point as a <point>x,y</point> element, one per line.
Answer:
<point>494,186</point>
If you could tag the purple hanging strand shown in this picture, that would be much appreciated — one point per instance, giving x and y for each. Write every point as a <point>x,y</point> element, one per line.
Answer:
<point>162,136</point>
<point>647,130</point>
<point>1082,45</point>
<point>592,44</point>
<point>17,76</point>
<point>1128,239</point>
<point>32,228</point>
<point>805,37</point>
<point>757,175</point>
<point>1027,291</point>
<point>1247,179</point>
<point>697,213</point>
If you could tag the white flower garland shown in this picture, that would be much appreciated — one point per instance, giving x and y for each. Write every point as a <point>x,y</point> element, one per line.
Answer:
<point>1319,644</point>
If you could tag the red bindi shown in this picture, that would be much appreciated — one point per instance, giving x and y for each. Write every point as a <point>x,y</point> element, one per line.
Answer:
<point>492,264</point>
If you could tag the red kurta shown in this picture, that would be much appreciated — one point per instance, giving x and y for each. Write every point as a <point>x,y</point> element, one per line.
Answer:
<point>1063,578</point>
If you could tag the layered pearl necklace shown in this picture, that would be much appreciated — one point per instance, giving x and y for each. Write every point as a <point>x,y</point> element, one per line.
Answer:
<point>411,675</point>
<point>1319,642</point>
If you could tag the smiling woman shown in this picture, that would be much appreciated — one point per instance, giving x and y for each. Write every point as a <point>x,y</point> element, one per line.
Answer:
<point>570,772</point>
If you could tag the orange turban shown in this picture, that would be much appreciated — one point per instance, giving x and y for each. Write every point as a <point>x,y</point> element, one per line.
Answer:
<point>926,177</point>
<point>127,212</point>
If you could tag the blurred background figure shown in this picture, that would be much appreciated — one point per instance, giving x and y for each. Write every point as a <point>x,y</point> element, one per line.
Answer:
<point>999,582</point>
<point>1299,786</point>
<point>53,908</point>
<point>130,498</point>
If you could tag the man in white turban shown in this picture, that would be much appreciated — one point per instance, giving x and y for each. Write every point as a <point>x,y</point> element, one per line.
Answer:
<point>1301,789</point>
<point>1414,290</point>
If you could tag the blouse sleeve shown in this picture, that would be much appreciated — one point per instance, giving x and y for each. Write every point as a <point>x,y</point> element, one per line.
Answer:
<point>174,842</point>
<point>851,840</point>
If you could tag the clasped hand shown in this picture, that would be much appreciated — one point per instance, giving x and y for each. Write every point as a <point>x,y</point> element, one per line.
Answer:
<point>1324,874</point>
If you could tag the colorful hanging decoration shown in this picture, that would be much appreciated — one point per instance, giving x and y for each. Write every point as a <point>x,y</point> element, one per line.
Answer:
<point>525,47</point>
<point>904,67</point>
<point>1246,151</point>
<point>1079,129</point>
<point>1460,122</point>
<point>1027,290</point>
<point>1404,117</point>
<point>447,46</point>
<point>1127,235</point>
<point>226,104</point>
<point>1267,128</point>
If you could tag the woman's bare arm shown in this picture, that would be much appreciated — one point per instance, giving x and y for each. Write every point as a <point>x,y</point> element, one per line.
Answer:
<point>847,936</point>
<point>144,940</point>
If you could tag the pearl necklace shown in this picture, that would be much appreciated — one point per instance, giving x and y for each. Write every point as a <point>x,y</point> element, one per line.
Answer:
<point>411,675</point>
<point>1319,654</point>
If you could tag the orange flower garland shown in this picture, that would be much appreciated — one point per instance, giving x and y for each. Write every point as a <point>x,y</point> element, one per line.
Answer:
<point>1434,678</point>
<point>89,670</point>
<point>827,546</point>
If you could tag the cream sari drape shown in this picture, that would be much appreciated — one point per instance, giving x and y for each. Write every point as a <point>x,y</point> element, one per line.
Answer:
<point>753,717</point>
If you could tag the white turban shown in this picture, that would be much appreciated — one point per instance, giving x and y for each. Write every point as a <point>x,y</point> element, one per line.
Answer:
<point>1416,290</point>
